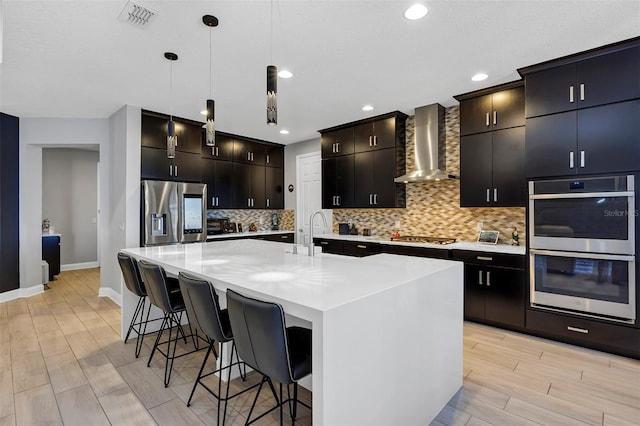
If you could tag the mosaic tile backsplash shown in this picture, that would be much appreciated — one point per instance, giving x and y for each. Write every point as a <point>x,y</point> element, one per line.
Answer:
<point>433,208</point>
<point>261,218</point>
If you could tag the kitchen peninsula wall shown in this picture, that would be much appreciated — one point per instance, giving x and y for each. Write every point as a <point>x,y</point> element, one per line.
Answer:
<point>433,208</point>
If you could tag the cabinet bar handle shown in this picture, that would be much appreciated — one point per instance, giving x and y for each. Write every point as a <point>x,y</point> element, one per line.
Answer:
<point>217,151</point>
<point>213,151</point>
<point>268,159</point>
<point>487,120</point>
<point>488,195</point>
<point>581,158</point>
<point>268,202</point>
<point>284,237</point>
<point>480,277</point>
<point>370,141</point>
<point>370,199</point>
<point>175,170</point>
<point>324,243</point>
<point>495,195</point>
<point>217,201</point>
<point>495,117</point>
<point>578,330</point>
<point>213,201</point>
<point>582,91</point>
<point>571,94</point>
<point>571,160</point>
<point>337,146</point>
<point>361,246</point>
<point>339,200</point>
<point>490,259</point>
<point>248,202</point>
<point>170,170</point>
<point>375,141</point>
<point>488,278</point>
<point>375,199</point>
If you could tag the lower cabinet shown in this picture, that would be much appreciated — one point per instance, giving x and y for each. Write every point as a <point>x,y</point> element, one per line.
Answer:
<point>279,238</point>
<point>494,288</point>
<point>348,248</point>
<point>51,253</point>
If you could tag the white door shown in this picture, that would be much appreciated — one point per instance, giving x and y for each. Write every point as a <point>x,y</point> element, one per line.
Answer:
<point>309,198</point>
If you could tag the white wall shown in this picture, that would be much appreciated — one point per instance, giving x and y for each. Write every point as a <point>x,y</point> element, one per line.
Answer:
<point>290,154</point>
<point>69,201</point>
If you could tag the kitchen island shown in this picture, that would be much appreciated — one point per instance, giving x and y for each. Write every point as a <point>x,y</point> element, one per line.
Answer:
<point>387,329</point>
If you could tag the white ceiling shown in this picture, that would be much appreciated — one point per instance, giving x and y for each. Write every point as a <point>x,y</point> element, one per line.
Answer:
<point>76,59</point>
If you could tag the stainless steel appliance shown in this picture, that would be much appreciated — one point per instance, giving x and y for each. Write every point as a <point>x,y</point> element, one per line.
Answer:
<point>173,212</point>
<point>582,246</point>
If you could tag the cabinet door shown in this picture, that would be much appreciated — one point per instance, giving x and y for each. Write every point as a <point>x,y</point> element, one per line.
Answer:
<point>609,78</point>
<point>549,91</point>
<point>274,156</point>
<point>549,142</point>
<point>508,162</point>
<point>274,180</point>
<point>504,296</point>
<point>507,108</point>
<point>329,190</point>
<point>345,181</point>
<point>224,184</point>
<point>337,142</point>
<point>248,152</point>
<point>384,132</point>
<point>475,115</point>
<point>475,170</point>
<point>608,138</point>
<point>258,194</point>
<point>474,292</point>
<point>223,149</point>
<point>187,167</point>
<point>242,185</point>
<point>189,137</point>
<point>209,178</point>
<point>364,186</point>
<point>363,137</point>
<point>154,132</point>
<point>385,189</point>
<point>155,164</point>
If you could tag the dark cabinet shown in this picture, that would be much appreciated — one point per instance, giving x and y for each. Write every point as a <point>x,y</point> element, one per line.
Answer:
<point>274,192</point>
<point>374,172</point>
<point>222,150</point>
<point>9,203</point>
<point>379,134</point>
<point>338,182</point>
<point>51,253</point>
<point>249,152</point>
<point>278,238</point>
<point>481,111</point>
<point>155,165</point>
<point>607,77</point>
<point>154,132</point>
<point>336,142</point>
<point>274,155</point>
<point>249,188</point>
<point>219,177</point>
<point>494,288</point>
<point>593,140</point>
<point>329,246</point>
<point>348,248</point>
<point>492,169</point>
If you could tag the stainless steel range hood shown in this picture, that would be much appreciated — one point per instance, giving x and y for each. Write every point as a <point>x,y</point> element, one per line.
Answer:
<point>429,146</point>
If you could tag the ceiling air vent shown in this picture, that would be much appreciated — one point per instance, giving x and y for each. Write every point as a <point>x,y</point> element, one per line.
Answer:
<point>136,14</point>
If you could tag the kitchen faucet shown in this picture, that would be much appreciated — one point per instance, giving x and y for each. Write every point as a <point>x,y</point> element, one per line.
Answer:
<point>324,221</point>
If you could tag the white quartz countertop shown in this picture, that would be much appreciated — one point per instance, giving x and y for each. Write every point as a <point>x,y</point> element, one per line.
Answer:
<point>463,245</point>
<point>246,234</point>
<point>321,283</point>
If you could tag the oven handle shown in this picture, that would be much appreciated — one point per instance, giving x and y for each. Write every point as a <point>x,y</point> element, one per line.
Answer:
<point>583,255</point>
<point>582,195</point>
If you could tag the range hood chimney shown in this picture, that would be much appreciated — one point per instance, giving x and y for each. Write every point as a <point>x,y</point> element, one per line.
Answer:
<point>429,146</point>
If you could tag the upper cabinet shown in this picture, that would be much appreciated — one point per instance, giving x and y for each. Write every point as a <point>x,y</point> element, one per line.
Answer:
<point>360,161</point>
<point>602,79</point>
<point>582,112</point>
<point>154,132</point>
<point>495,108</point>
<point>222,150</point>
<point>248,152</point>
<point>492,152</point>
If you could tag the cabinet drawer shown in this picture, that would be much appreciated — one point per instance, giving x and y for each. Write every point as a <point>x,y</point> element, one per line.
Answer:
<point>621,339</point>
<point>361,249</point>
<point>329,246</point>
<point>417,251</point>
<point>490,259</point>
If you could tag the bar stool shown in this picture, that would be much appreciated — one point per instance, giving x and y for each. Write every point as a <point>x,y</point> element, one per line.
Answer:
<point>269,347</point>
<point>133,281</point>
<point>204,313</point>
<point>164,293</point>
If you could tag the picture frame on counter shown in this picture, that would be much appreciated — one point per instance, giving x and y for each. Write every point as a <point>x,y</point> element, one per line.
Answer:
<point>488,237</point>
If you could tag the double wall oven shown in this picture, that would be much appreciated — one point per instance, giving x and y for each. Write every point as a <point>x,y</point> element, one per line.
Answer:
<point>582,246</point>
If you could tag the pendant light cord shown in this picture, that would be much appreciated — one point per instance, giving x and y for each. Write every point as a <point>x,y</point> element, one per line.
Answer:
<point>271,33</point>
<point>171,89</point>
<point>210,64</point>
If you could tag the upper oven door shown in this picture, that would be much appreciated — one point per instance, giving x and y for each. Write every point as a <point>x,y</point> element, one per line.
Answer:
<point>594,215</point>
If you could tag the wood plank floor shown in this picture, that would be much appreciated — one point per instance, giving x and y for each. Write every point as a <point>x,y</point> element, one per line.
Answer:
<point>62,362</point>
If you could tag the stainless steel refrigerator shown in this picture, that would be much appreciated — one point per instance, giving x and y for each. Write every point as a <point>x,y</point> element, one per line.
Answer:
<point>173,212</point>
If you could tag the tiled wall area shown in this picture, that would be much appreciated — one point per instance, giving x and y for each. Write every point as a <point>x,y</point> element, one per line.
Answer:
<point>261,218</point>
<point>433,208</point>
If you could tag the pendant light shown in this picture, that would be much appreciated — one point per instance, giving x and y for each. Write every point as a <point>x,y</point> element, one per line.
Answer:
<point>272,84</point>
<point>210,21</point>
<point>172,138</point>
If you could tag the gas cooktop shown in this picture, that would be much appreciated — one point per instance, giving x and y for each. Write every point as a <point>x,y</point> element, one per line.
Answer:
<point>424,240</point>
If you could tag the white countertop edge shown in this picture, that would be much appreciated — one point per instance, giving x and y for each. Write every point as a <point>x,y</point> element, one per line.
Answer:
<point>462,245</point>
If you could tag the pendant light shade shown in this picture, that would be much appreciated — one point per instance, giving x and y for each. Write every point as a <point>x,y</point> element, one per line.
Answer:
<point>272,95</point>
<point>172,138</point>
<point>210,127</point>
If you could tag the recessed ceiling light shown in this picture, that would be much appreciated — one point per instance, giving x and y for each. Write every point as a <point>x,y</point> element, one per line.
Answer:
<point>415,12</point>
<point>367,108</point>
<point>285,74</point>
<point>203,112</point>
<point>284,131</point>
<point>479,77</point>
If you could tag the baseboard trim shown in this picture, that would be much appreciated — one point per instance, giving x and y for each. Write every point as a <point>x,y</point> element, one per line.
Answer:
<point>20,293</point>
<point>74,266</point>
<point>111,294</point>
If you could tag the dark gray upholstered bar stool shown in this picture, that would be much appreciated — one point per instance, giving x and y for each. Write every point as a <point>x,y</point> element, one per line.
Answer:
<point>133,281</point>
<point>203,309</point>
<point>164,293</point>
<point>269,347</point>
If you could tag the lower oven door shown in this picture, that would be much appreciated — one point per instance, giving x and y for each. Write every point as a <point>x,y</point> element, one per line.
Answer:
<point>599,285</point>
